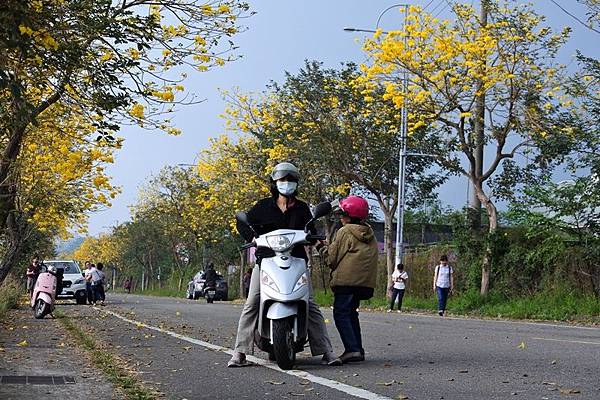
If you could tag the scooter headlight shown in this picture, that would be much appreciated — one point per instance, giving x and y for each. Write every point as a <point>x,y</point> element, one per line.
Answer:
<point>302,281</point>
<point>280,242</point>
<point>265,279</point>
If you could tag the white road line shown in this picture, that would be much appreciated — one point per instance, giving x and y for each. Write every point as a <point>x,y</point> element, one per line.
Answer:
<point>566,341</point>
<point>342,387</point>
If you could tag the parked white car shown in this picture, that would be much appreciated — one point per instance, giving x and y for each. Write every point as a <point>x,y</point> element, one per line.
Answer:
<point>73,283</point>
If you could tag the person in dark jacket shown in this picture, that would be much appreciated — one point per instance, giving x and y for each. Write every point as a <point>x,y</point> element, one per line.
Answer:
<point>33,271</point>
<point>210,276</point>
<point>352,257</point>
<point>280,211</point>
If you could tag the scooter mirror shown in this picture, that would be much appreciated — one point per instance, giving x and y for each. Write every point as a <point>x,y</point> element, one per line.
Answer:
<point>242,217</point>
<point>322,209</point>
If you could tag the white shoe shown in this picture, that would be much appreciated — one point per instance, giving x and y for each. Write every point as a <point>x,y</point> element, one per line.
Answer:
<point>398,311</point>
<point>331,359</point>
<point>389,311</point>
<point>238,360</point>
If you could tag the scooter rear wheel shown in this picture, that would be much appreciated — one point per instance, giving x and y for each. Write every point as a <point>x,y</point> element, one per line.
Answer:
<point>40,309</point>
<point>283,343</point>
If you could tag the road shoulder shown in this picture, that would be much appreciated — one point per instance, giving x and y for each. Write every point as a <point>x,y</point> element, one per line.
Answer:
<point>42,348</point>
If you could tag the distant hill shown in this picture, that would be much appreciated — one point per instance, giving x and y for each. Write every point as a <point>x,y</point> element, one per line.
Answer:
<point>68,246</point>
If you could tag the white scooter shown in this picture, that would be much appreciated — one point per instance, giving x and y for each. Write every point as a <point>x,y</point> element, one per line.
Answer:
<point>284,290</point>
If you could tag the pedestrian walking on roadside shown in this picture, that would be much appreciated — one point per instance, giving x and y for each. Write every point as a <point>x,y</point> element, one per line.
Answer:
<point>127,285</point>
<point>98,282</point>
<point>399,278</point>
<point>443,283</point>
<point>352,257</point>
<point>87,275</point>
<point>33,271</point>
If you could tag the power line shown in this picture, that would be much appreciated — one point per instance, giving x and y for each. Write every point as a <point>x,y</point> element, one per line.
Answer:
<point>576,18</point>
<point>428,4</point>
<point>435,8</point>
<point>442,9</point>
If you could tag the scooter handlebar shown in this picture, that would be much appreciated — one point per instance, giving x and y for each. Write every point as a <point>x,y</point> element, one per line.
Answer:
<point>248,245</point>
<point>316,237</point>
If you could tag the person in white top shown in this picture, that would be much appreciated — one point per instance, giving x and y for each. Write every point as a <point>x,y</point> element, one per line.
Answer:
<point>443,283</point>
<point>87,274</point>
<point>399,278</point>
<point>98,278</point>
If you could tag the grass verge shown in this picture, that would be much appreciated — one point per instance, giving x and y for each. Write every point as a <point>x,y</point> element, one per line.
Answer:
<point>164,292</point>
<point>110,364</point>
<point>10,294</point>
<point>559,304</point>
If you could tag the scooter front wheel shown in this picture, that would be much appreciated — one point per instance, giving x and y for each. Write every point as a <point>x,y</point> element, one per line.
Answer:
<point>283,343</point>
<point>40,309</point>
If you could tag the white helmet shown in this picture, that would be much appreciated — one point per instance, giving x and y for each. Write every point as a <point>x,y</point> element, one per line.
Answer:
<point>285,169</point>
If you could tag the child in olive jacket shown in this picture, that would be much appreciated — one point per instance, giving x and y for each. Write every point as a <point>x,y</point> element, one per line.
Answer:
<point>352,257</point>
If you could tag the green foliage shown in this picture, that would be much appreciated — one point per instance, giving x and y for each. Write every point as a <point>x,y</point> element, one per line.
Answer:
<point>163,292</point>
<point>10,293</point>
<point>559,304</point>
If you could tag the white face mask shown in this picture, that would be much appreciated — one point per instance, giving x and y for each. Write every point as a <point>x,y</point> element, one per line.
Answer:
<point>287,188</point>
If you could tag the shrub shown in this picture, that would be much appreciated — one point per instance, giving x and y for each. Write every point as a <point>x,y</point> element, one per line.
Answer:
<point>11,290</point>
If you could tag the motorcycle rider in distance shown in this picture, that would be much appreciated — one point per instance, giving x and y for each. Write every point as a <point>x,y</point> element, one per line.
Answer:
<point>280,211</point>
<point>210,276</point>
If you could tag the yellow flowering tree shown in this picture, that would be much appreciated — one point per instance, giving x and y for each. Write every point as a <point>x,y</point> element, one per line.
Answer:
<point>593,13</point>
<point>116,62</point>
<point>173,201</point>
<point>62,172</point>
<point>234,172</point>
<point>60,176</point>
<point>342,136</point>
<point>505,64</point>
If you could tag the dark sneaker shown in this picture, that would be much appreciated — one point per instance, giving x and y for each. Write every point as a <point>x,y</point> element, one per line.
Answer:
<point>441,313</point>
<point>355,356</point>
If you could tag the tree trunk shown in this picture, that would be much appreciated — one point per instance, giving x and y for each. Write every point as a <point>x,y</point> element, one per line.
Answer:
<point>388,240</point>
<point>150,276</point>
<point>8,189</point>
<point>14,248</point>
<point>323,270</point>
<point>479,132</point>
<point>486,267</point>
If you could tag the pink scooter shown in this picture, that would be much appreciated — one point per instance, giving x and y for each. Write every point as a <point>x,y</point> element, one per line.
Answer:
<point>44,292</point>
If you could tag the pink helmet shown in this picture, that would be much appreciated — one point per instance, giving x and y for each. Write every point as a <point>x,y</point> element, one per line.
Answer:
<point>355,207</point>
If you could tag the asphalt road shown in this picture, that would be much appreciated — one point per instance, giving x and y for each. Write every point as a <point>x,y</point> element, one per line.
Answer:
<point>407,355</point>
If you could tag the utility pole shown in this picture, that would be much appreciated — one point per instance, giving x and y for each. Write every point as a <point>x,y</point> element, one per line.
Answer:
<point>479,138</point>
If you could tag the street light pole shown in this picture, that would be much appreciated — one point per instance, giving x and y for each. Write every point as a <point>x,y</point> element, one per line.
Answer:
<point>403,136</point>
<point>402,160</point>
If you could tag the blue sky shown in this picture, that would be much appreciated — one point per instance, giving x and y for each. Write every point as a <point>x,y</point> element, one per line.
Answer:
<point>279,38</point>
